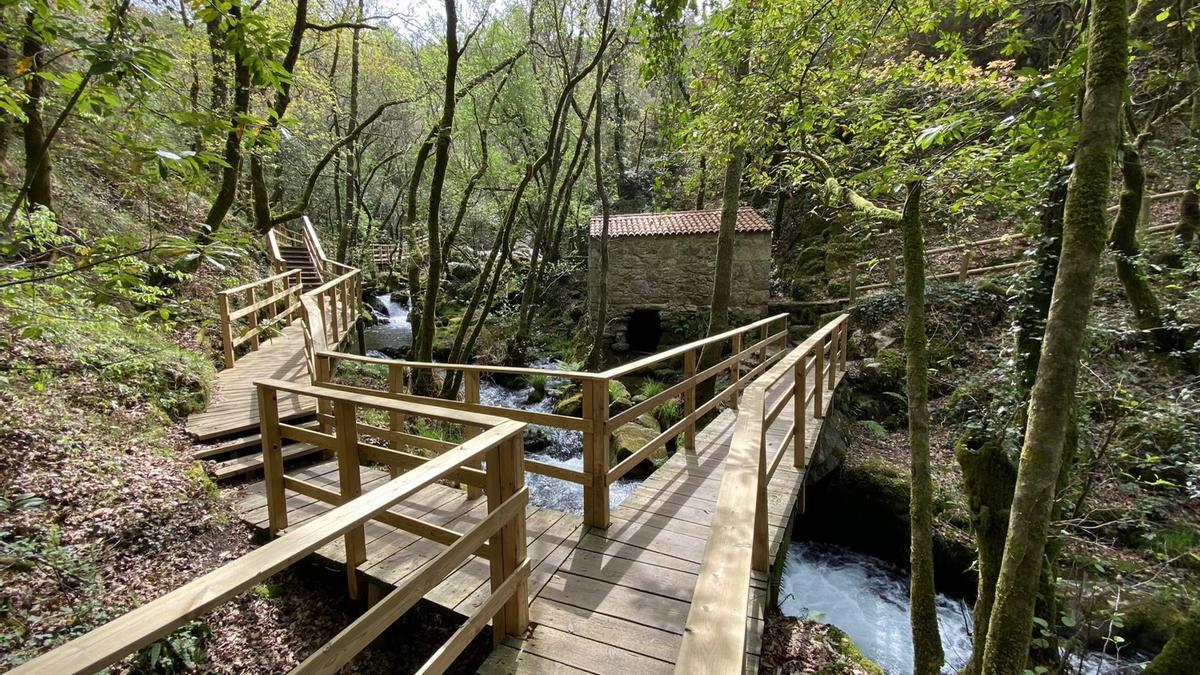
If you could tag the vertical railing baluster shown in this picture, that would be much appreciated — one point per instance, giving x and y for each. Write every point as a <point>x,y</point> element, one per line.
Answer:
<point>818,380</point>
<point>760,555</point>
<point>689,398</point>
<point>845,342</point>
<point>735,371</point>
<point>395,419</point>
<point>250,299</point>
<point>272,450</point>
<point>799,410</point>
<point>226,330</point>
<point>351,487</point>
<point>834,342</point>
<point>471,395</point>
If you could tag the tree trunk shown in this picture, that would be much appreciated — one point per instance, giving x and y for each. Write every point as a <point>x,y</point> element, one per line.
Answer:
<point>227,192</point>
<point>350,210</point>
<point>927,645</point>
<point>6,70</point>
<point>718,316</point>
<point>37,163</point>
<point>1085,233</point>
<point>423,344</point>
<point>601,319</point>
<point>1147,315</point>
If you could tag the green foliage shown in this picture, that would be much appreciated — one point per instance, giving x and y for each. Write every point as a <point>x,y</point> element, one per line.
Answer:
<point>180,651</point>
<point>668,412</point>
<point>651,388</point>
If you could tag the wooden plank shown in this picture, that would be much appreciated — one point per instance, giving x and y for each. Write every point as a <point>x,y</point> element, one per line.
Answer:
<point>507,660</point>
<point>580,652</point>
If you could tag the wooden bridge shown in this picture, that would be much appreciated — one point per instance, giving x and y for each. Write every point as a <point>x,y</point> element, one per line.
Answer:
<point>674,578</point>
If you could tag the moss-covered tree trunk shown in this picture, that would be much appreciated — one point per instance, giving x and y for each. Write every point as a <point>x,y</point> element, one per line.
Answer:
<point>718,315</point>
<point>927,644</point>
<point>232,168</point>
<point>1147,314</point>
<point>601,318</point>
<point>1188,229</point>
<point>1085,232</point>
<point>423,342</point>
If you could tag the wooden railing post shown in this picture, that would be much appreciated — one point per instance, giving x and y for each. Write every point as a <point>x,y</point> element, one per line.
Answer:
<point>845,343</point>
<point>335,340</point>
<point>270,308</point>
<point>834,343</point>
<point>395,419</point>
<point>250,299</point>
<point>689,398</point>
<point>272,450</point>
<point>735,371</point>
<point>471,395</point>
<point>853,281</point>
<point>800,387</point>
<point>505,478</point>
<point>964,266</point>
<point>891,270</point>
<point>351,487</point>
<point>818,380</point>
<point>595,453</point>
<point>761,556</point>
<point>226,330</point>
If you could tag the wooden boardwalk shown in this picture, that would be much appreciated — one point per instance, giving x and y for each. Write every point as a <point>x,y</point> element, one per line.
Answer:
<point>609,600</point>
<point>234,404</point>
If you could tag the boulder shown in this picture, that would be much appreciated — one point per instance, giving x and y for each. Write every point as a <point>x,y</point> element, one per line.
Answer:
<point>536,439</point>
<point>619,398</point>
<point>630,438</point>
<point>570,406</point>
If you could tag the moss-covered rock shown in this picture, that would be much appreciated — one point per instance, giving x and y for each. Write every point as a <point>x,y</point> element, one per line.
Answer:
<point>865,507</point>
<point>1179,655</point>
<point>571,406</point>
<point>629,438</point>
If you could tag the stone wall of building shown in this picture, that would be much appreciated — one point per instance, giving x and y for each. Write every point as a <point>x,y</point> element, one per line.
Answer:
<point>673,274</point>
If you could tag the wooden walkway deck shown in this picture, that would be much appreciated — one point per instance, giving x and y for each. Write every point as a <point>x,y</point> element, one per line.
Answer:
<point>234,404</point>
<point>609,600</point>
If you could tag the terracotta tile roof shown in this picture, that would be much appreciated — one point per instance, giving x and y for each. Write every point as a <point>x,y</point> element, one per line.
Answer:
<point>676,222</point>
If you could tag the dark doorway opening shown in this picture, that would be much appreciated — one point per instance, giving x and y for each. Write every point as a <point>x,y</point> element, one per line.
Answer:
<point>644,331</point>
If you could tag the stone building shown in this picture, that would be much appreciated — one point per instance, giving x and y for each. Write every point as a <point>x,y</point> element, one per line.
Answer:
<point>660,274</point>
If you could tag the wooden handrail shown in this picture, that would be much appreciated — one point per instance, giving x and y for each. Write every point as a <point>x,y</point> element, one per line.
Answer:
<point>500,444</point>
<point>253,306</point>
<point>594,422</point>
<point>714,637</point>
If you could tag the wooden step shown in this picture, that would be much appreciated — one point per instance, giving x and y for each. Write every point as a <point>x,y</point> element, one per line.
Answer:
<point>228,445</point>
<point>243,465</point>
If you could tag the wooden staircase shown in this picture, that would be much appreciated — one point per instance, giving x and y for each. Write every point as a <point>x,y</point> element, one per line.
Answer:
<point>298,258</point>
<point>269,328</point>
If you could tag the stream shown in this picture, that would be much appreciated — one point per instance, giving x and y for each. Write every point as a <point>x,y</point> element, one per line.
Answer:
<point>867,598</point>
<point>544,444</point>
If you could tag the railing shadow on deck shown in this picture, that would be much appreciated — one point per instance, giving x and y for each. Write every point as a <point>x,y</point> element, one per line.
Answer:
<point>749,344</point>
<point>499,537</point>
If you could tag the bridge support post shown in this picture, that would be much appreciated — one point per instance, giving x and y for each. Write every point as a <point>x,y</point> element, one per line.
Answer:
<point>595,453</point>
<point>351,487</point>
<point>395,419</point>
<point>505,478</point>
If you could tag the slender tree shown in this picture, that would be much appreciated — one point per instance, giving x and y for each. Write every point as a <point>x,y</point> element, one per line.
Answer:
<point>601,317</point>
<point>1085,230</point>
<point>927,644</point>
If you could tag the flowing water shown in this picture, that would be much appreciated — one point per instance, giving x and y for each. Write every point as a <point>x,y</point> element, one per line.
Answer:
<point>392,333</point>
<point>867,598</point>
<point>545,444</point>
